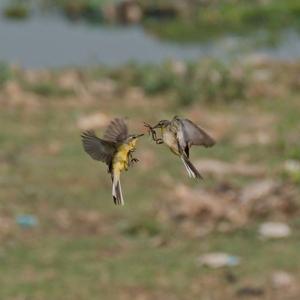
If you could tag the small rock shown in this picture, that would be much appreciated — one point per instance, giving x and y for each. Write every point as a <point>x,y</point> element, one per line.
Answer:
<point>110,13</point>
<point>237,73</point>
<point>258,190</point>
<point>257,59</point>
<point>259,137</point>
<point>178,67</point>
<point>215,77</point>
<point>249,291</point>
<point>292,166</point>
<point>131,12</point>
<point>6,225</point>
<point>36,76</point>
<point>89,217</point>
<point>281,279</point>
<point>196,203</point>
<point>262,75</point>
<point>102,87</point>
<point>274,230</point>
<point>12,89</point>
<point>15,96</point>
<point>218,260</point>
<point>136,97</point>
<point>69,80</point>
<point>93,121</point>
<point>220,168</point>
<point>63,219</point>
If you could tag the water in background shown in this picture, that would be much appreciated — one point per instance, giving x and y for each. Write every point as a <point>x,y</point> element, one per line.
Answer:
<point>52,41</point>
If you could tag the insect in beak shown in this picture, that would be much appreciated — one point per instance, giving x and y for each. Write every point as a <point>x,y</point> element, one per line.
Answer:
<point>158,125</point>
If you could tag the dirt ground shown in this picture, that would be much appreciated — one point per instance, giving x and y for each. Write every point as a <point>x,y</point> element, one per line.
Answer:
<point>75,244</point>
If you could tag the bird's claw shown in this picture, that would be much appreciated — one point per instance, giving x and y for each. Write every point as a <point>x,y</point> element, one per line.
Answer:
<point>153,133</point>
<point>132,161</point>
<point>149,128</point>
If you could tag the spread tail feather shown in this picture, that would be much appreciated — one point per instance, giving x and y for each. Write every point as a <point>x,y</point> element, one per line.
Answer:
<point>191,169</point>
<point>117,192</point>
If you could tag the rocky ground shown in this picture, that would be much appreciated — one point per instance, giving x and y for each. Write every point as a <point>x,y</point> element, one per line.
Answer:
<point>60,231</point>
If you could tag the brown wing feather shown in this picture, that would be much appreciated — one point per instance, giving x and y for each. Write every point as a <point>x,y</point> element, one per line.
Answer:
<point>117,131</point>
<point>194,135</point>
<point>197,135</point>
<point>97,148</point>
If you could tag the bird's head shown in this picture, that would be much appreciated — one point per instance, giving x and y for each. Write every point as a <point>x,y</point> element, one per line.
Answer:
<point>162,124</point>
<point>132,139</point>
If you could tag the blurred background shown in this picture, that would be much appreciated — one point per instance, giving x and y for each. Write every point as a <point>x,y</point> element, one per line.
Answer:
<point>231,66</point>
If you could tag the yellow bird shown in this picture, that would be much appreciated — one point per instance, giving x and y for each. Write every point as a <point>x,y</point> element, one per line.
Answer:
<point>115,149</point>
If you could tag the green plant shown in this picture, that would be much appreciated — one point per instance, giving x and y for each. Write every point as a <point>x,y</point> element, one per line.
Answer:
<point>48,89</point>
<point>16,10</point>
<point>5,73</point>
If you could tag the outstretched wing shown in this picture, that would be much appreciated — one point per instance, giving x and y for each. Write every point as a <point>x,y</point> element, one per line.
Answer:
<point>194,135</point>
<point>97,148</point>
<point>117,131</point>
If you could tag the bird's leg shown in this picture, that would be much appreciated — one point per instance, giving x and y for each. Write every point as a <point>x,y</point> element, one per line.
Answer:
<point>126,165</point>
<point>110,168</point>
<point>151,130</point>
<point>157,140</point>
<point>131,159</point>
<point>134,160</point>
<point>153,134</point>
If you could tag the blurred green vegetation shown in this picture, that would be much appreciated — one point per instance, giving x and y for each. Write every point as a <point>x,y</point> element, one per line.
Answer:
<point>17,10</point>
<point>48,89</point>
<point>238,17</point>
<point>89,10</point>
<point>5,73</point>
<point>90,248</point>
<point>190,21</point>
<point>207,81</point>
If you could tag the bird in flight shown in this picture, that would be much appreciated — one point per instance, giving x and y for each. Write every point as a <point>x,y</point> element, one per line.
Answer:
<point>180,135</point>
<point>115,149</point>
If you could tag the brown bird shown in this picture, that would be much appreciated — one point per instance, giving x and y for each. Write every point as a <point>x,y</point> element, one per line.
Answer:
<point>180,135</point>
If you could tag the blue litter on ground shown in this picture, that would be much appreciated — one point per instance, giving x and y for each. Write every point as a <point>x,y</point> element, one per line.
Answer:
<point>26,221</point>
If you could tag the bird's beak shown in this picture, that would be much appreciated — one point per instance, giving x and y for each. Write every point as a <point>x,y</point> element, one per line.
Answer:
<point>140,135</point>
<point>156,126</point>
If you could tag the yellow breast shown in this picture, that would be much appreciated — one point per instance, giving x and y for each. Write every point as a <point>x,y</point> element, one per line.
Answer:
<point>122,153</point>
<point>120,161</point>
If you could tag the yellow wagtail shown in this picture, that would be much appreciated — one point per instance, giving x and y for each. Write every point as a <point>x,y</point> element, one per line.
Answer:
<point>115,149</point>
